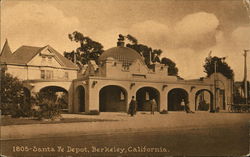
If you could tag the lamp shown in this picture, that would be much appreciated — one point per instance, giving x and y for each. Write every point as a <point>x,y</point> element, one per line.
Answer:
<point>192,87</point>
<point>164,86</point>
<point>131,85</point>
<point>84,82</point>
<point>94,83</point>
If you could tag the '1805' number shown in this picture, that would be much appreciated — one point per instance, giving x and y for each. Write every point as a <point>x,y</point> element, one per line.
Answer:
<point>20,149</point>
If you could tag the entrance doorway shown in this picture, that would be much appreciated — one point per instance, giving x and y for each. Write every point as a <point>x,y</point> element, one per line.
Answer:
<point>175,97</point>
<point>112,99</point>
<point>143,97</point>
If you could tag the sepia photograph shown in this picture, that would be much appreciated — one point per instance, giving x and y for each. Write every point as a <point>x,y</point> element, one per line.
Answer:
<point>124,78</point>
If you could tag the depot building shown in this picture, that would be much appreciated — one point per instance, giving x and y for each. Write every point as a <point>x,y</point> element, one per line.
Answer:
<point>122,73</point>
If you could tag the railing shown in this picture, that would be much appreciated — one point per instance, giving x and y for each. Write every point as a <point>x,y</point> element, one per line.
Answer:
<point>238,108</point>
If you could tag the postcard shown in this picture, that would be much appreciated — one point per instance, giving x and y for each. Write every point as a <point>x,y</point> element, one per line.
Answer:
<point>125,78</point>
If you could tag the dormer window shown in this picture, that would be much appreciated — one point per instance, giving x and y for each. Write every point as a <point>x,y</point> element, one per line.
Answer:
<point>49,59</point>
<point>43,59</point>
<point>126,65</point>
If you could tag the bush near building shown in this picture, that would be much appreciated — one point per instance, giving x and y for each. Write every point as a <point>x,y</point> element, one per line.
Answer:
<point>44,105</point>
<point>48,106</point>
<point>12,96</point>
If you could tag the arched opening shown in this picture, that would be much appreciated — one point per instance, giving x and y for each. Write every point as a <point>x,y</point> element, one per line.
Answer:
<point>143,97</point>
<point>112,99</point>
<point>58,94</point>
<point>175,97</point>
<point>203,100</point>
<point>81,98</point>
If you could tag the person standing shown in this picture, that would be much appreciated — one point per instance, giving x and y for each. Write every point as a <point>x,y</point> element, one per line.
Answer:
<point>153,105</point>
<point>132,106</point>
<point>183,105</point>
<point>187,108</point>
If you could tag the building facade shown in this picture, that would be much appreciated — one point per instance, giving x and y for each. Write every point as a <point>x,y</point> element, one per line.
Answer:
<point>122,73</point>
<point>109,86</point>
<point>39,68</point>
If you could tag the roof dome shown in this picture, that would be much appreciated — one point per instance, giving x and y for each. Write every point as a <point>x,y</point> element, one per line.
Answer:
<point>121,53</point>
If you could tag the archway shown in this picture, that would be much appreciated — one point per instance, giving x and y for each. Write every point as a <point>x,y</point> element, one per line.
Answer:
<point>203,100</point>
<point>58,94</point>
<point>113,98</point>
<point>81,98</point>
<point>143,97</point>
<point>175,97</point>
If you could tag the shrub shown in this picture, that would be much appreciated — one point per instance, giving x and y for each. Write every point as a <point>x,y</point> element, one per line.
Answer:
<point>13,98</point>
<point>48,107</point>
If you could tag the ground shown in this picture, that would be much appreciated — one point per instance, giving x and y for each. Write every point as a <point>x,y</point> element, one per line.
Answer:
<point>176,133</point>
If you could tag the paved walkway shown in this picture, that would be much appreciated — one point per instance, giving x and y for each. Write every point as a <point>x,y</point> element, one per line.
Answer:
<point>123,122</point>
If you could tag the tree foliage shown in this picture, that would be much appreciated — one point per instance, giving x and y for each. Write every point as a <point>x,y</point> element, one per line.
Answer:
<point>49,107</point>
<point>12,95</point>
<point>88,49</point>
<point>172,69</point>
<point>221,67</point>
<point>145,52</point>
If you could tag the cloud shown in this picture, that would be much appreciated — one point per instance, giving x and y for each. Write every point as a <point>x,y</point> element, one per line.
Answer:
<point>189,63</point>
<point>151,32</point>
<point>232,46</point>
<point>183,42</point>
<point>240,37</point>
<point>37,24</point>
<point>193,29</point>
<point>187,42</point>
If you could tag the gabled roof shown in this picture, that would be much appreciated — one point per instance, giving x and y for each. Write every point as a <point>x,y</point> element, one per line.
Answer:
<point>64,60</point>
<point>6,52</point>
<point>25,54</point>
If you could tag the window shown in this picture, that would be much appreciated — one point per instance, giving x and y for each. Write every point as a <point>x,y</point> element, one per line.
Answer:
<point>126,65</point>
<point>42,74</point>
<point>43,58</point>
<point>49,74</point>
<point>50,59</point>
<point>66,75</point>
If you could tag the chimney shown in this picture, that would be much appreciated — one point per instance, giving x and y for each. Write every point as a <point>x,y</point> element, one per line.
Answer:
<point>120,41</point>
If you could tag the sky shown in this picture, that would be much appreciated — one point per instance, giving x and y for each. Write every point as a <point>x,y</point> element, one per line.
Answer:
<point>186,30</point>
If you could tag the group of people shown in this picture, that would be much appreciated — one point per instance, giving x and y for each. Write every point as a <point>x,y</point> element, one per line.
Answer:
<point>133,106</point>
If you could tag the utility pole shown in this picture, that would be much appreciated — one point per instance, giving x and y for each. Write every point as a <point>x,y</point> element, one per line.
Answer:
<point>215,71</point>
<point>74,57</point>
<point>245,75</point>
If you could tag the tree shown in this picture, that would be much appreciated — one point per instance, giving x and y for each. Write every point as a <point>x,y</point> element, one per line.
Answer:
<point>12,95</point>
<point>172,69</point>
<point>87,50</point>
<point>143,50</point>
<point>221,67</point>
